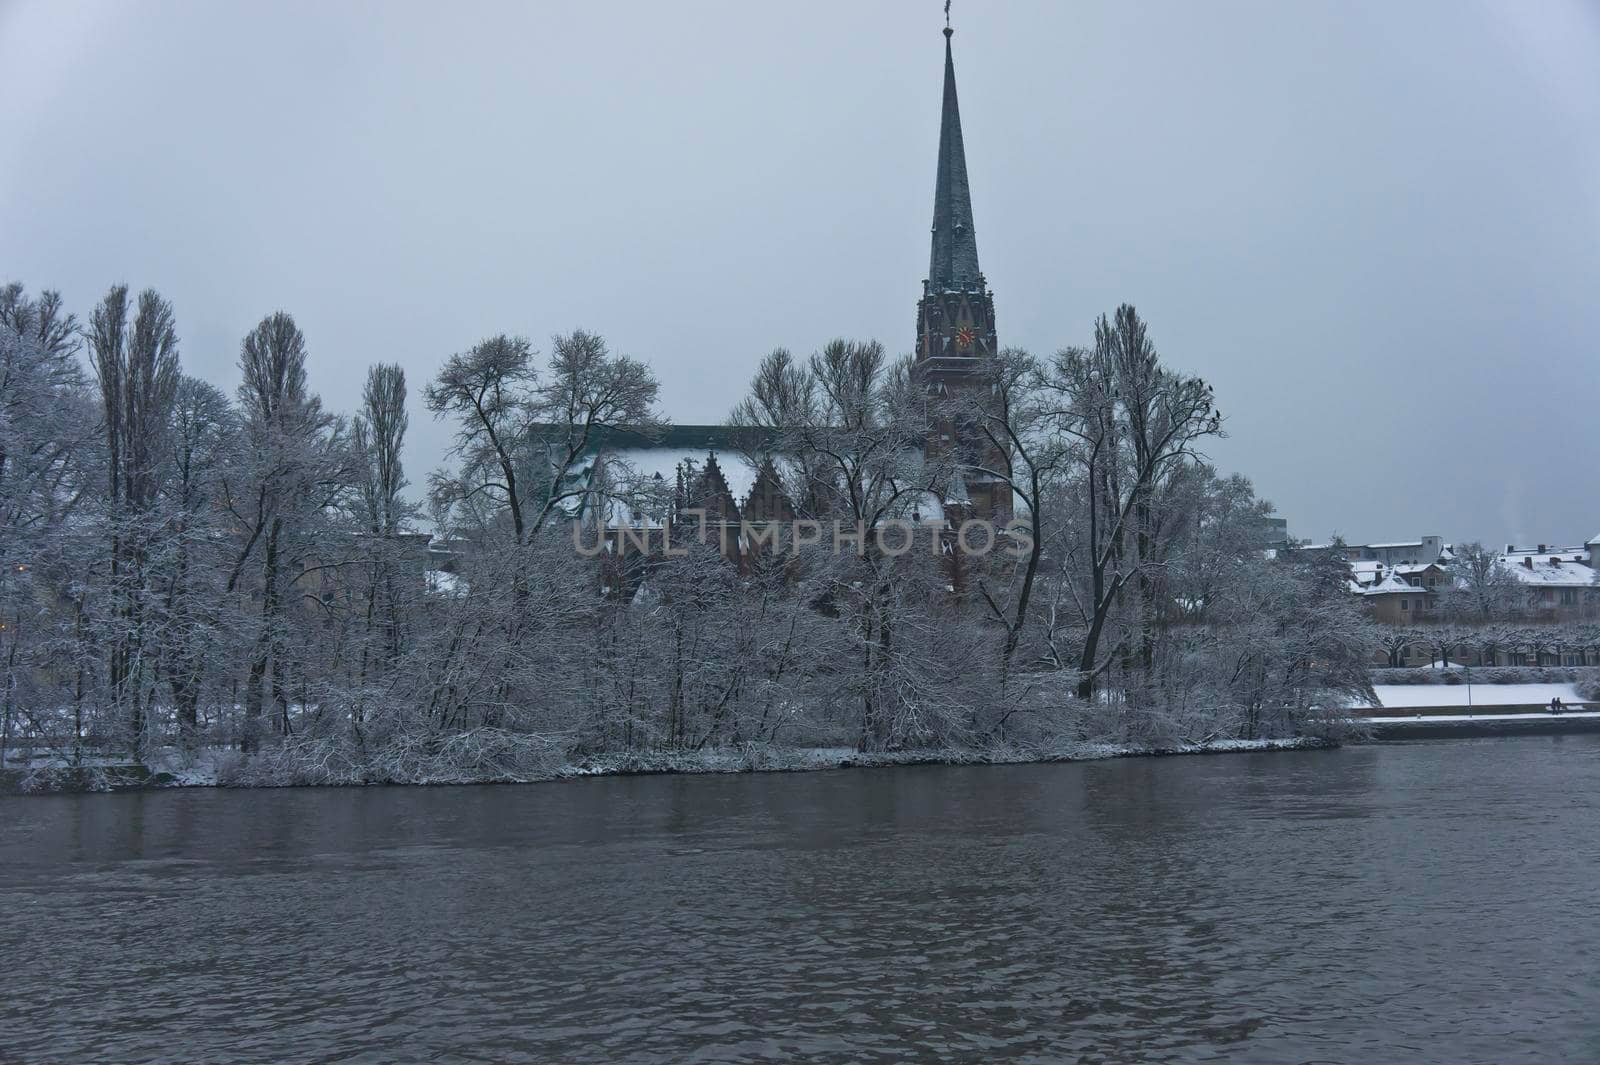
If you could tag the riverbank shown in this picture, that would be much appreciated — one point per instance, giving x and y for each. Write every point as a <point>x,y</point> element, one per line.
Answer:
<point>229,769</point>
<point>822,758</point>
<point>1466,726</point>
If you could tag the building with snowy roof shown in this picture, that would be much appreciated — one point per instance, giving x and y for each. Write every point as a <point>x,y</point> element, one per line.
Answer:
<point>1421,551</point>
<point>1406,594</point>
<point>1560,582</point>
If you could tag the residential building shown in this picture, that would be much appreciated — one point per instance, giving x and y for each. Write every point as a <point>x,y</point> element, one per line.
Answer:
<point>1405,584</point>
<point>1426,549</point>
<point>1404,594</point>
<point>1560,581</point>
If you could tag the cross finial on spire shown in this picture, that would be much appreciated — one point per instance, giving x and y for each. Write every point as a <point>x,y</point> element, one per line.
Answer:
<point>947,30</point>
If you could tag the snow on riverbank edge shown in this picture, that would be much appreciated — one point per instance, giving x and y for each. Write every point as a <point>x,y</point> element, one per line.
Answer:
<point>812,759</point>
<point>221,769</point>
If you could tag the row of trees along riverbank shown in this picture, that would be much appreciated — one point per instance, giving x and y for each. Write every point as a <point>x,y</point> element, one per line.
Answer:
<point>188,569</point>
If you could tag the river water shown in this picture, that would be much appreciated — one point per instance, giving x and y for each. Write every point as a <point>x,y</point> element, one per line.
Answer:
<point>1427,902</point>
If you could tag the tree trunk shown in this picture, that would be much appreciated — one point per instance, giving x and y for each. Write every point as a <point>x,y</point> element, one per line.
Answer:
<point>254,697</point>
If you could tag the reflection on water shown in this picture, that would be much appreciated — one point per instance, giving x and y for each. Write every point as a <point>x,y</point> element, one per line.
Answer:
<point>1404,903</point>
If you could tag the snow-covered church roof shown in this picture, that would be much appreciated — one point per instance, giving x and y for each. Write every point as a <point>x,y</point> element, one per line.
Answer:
<point>656,471</point>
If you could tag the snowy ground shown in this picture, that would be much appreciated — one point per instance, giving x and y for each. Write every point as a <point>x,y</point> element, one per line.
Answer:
<point>208,768</point>
<point>1583,715</point>
<point>1463,695</point>
<point>786,760</point>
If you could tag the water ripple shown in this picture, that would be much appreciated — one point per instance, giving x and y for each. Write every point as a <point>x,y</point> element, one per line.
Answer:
<point>1408,903</point>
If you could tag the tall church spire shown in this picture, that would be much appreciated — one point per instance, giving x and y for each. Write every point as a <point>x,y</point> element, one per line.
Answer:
<point>956,342</point>
<point>955,246</point>
<point>955,318</point>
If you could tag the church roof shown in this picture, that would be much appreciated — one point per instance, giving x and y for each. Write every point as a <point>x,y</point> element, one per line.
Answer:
<point>954,262</point>
<point>679,437</point>
<point>663,466</point>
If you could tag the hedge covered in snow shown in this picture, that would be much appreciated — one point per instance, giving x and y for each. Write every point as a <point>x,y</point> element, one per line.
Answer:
<point>1578,675</point>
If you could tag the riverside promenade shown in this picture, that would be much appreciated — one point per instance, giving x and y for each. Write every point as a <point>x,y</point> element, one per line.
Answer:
<point>1440,722</point>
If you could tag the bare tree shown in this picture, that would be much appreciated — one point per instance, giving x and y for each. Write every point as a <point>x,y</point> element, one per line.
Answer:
<point>522,436</point>
<point>43,320</point>
<point>379,433</point>
<point>1394,641</point>
<point>489,390</point>
<point>1480,588</point>
<point>49,467</point>
<point>200,443</point>
<point>137,371</point>
<point>782,397</point>
<point>1017,445</point>
<point>848,430</point>
<point>1134,425</point>
<point>298,468</point>
<point>45,424</point>
<point>585,391</point>
<point>1297,650</point>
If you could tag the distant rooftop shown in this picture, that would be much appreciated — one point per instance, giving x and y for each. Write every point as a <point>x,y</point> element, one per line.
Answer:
<point>677,437</point>
<point>1530,570</point>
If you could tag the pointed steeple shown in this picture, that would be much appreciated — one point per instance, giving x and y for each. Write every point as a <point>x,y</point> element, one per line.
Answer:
<point>956,341</point>
<point>954,261</point>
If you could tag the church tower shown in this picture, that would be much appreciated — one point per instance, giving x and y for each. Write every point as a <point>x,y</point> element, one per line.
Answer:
<point>955,317</point>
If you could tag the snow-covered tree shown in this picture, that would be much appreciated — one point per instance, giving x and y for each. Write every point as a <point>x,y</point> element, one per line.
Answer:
<point>294,470</point>
<point>847,433</point>
<point>176,567</point>
<point>1135,426</point>
<point>49,473</point>
<point>1288,649</point>
<point>1015,442</point>
<point>522,434</point>
<point>1480,589</point>
<point>378,434</point>
<point>192,557</point>
<point>137,370</point>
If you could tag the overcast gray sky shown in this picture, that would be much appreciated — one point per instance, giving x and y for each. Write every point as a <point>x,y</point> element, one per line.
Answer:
<point>1375,227</point>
